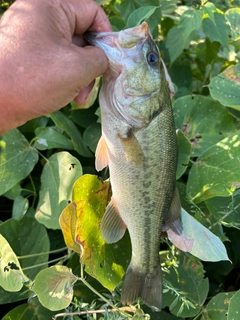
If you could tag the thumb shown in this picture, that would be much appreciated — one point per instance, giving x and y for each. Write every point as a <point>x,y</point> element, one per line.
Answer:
<point>90,62</point>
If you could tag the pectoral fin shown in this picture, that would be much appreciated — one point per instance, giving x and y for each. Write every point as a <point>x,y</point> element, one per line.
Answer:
<point>132,150</point>
<point>112,227</point>
<point>173,219</point>
<point>102,158</point>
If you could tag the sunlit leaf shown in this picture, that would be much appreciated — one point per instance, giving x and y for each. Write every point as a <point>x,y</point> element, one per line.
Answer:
<point>190,21</point>
<point>203,121</point>
<point>54,287</point>
<point>226,87</point>
<point>195,238</point>
<point>58,177</point>
<point>105,262</point>
<point>17,159</point>
<point>27,237</point>
<point>68,224</point>
<point>11,274</point>
<point>216,173</point>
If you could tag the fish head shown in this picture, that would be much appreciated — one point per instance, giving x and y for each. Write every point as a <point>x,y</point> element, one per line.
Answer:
<point>132,83</point>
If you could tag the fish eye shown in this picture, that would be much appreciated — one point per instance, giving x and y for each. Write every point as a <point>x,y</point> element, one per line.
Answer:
<point>152,59</point>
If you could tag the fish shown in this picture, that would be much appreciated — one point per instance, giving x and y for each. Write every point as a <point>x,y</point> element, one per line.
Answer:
<point>139,146</point>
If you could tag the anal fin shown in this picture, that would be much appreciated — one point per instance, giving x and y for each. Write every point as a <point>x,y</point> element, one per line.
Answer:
<point>173,219</point>
<point>102,157</point>
<point>112,227</point>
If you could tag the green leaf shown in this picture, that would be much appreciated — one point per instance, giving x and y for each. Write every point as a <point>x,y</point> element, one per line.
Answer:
<point>233,311</point>
<point>49,138</point>
<point>233,17</point>
<point>194,238</point>
<point>90,196</point>
<point>70,128</point>
<point>203,121</point>
<point>54,287</point>
<point>208,11</point>
<point>27,237</point>
<point>175,43</point>
<point>29,311</point>
<point>217,307</point>
<point>184,151</point>
<point>226,209</point>
<point>11,274</point>
<point>226,87</point>
<point>184,282</point>
<point>190,21</point>
<point>140,15</point>
<point>217,171</point>
<point>14,192</point>
<point>17,159</point>
<point>57,179</point>
<point>92,135</point>
<point>217,31</point>
<point>20,207</point>
<point>168,6</point>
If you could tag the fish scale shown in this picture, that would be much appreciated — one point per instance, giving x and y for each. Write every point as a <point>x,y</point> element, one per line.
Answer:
<point>139,145</point>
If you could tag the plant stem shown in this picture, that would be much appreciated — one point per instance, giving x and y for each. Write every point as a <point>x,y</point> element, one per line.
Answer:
<point>42,253</point>
<point>47,262</point>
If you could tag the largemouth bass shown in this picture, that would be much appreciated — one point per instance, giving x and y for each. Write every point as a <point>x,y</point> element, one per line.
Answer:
<point>139,145</point>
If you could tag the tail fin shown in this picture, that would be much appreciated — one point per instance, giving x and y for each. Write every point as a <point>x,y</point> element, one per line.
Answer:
<point>144,286</point>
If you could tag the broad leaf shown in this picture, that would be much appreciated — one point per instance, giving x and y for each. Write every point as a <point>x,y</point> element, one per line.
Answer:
<point>226,209</point>
<point>216,173</point>
<point>20,207</point>
<point>226,87</point>
<point>185,289</point>
<point>70,128</point>
<point>140,15</point>
<point>50,137</point>
<point>198,240</point>
<point>29,311</point>
<point>105,262</point>
<point>17,159</point>
<point>190,21</point>
<point>217,30</point>
<point>184,151</point>
<point>208,11</point>
<point>27,237</point>
<point>58,177</point>
<point>11,274</point>
<point>92,135</point>
<point>233,311</point>
<point>233,17</point>
<point>54,287</point>
<point>217,307</point>
<point>203,121</point>
<point>175,43</point>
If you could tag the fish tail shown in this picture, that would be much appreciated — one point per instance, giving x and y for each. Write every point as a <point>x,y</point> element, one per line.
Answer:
<point>145,286</point>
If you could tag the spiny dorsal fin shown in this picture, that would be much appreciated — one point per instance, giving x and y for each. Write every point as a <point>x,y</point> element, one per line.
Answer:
<point>112,227</point>
<point>132,149</point>
<point>102,158</point>
<point>173,218</point>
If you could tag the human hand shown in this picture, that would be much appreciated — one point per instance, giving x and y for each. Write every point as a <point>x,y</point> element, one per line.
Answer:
<point>44,61</point>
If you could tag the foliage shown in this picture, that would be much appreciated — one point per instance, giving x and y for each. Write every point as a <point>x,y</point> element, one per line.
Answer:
<point>41,163</point>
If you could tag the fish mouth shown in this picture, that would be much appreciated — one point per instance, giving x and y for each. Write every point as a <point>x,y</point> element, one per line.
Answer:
<point>114,43</point>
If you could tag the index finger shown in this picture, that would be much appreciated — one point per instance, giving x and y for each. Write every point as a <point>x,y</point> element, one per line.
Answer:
<point>87,15</point>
